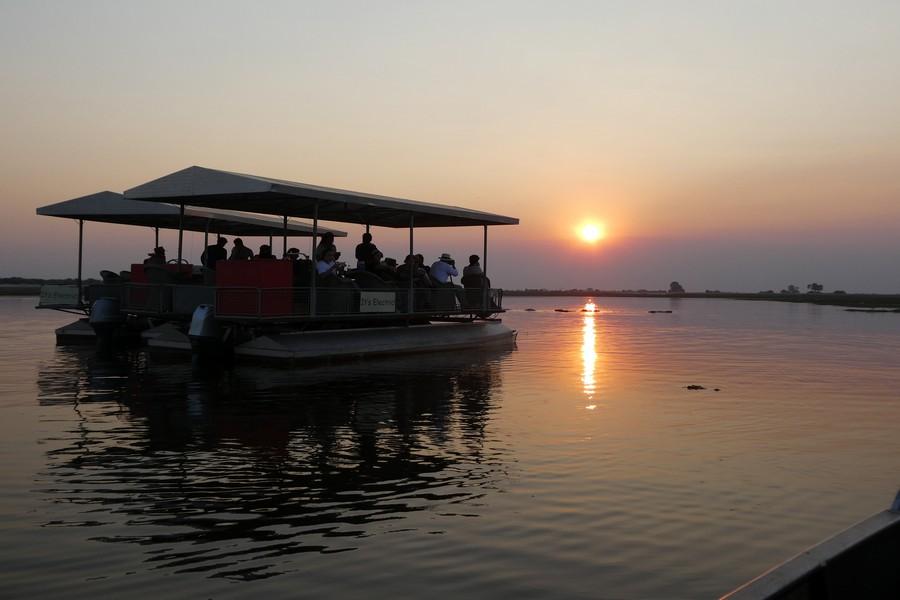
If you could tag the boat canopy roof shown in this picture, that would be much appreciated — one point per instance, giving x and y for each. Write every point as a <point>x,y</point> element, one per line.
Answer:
<point>199,186</point>
<point>110,207</point>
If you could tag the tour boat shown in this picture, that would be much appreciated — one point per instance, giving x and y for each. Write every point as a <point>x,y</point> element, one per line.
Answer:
<point>280,309</point>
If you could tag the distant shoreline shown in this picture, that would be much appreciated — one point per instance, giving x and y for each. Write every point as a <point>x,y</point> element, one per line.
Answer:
<point>861,301</point>
<point>31,286</point>
<point>864,301</point>
<point>20,290</point>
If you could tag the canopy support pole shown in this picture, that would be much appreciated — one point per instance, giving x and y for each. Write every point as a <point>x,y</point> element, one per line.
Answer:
<point>367,228</point>
<point>205,239</point>
<point>181,230</point>
<point>412,262</point>
<point>80,253</point>
<point>284,244</point>
<point>156,238</point>
<point>312,260</point>
<point>484,285</point>
<point>270,242</point>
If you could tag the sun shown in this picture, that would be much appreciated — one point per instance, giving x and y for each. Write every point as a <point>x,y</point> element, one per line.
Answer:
<point>591,232</point>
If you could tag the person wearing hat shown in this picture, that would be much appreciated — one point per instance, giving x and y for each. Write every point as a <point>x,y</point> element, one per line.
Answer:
<point>443,269</point>
<point>157,257</point>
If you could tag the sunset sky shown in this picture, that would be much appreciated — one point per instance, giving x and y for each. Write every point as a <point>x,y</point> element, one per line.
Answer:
<point>726,145</point>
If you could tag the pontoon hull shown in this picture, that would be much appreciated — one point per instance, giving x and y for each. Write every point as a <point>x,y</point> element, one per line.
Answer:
<point>78,332</point>
<point>314,346</point>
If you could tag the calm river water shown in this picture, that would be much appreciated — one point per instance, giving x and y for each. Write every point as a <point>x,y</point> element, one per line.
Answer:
<point>577,465</point>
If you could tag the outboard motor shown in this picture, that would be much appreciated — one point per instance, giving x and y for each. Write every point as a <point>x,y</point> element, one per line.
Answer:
<point>106,319</point>
<point>207,344</point>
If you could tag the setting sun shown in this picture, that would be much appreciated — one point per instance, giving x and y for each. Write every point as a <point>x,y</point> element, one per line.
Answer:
<point>591,232</point>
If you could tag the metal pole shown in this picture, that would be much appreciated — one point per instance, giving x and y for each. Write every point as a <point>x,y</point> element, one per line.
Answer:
<point>206,239</point>
<point>484,285</point>
<point>284,245</point>
<point>412,261</point>
<point>312,257</point>
<point>270,242</point>
<point>180,230</point>
<point>80,247</point>
<point>367,228</point>
<point>156,238</point>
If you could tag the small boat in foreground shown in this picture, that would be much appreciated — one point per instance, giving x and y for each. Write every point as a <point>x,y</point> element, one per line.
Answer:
<point>860,562</point>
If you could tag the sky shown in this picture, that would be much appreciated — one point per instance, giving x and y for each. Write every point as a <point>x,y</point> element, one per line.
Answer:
<point>737,146</point>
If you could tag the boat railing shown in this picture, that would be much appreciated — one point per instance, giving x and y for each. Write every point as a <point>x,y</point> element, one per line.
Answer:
<point>172,300</point>
<point>242,303</point>
<point>165,299</point>
<point>60,297</point>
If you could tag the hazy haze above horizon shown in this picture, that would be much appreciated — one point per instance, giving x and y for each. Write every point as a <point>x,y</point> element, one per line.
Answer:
<point>734,146</point>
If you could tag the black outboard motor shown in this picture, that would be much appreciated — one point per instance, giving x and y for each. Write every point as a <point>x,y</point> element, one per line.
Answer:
<point>208,346</point>
<point>106,319</point>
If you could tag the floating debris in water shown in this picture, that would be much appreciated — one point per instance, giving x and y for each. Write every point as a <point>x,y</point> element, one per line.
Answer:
<point>694,387</point>
<point>561,310</point>
<point>659,311</point>
<point>529,310</point>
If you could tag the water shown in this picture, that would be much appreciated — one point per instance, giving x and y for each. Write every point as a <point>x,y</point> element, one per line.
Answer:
<point>577,465</point>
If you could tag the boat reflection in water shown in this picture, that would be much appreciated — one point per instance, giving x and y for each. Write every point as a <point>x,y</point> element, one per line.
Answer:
<point>221,476</point>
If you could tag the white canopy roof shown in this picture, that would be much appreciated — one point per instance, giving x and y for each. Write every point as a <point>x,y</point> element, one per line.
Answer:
<point>110,207</point>
<point>199,186</point>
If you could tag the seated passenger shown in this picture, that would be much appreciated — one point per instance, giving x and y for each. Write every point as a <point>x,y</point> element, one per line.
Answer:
<point>327,267</point>
<point>386,268</point>
<point>265,253</point>
<point>157,257</point>
<point>443,269</point>
<point>473,276</point>
<point>473,268</point>
<point>420,277</point>
<point>420,261</point>
<point>240,251</point>
<point>326,244</point>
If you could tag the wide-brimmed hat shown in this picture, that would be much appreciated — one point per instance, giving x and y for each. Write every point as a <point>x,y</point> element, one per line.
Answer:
<point>446,256</point>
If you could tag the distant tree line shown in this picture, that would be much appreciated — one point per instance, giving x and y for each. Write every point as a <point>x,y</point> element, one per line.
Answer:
<point>38,281</point>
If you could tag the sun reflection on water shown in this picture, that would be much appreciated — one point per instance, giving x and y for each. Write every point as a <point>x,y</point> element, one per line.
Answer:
<point>589,359</point>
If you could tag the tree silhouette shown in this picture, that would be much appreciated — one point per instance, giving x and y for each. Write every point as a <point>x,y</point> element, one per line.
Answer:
<point>815,288</point>
<point>675,288</point>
